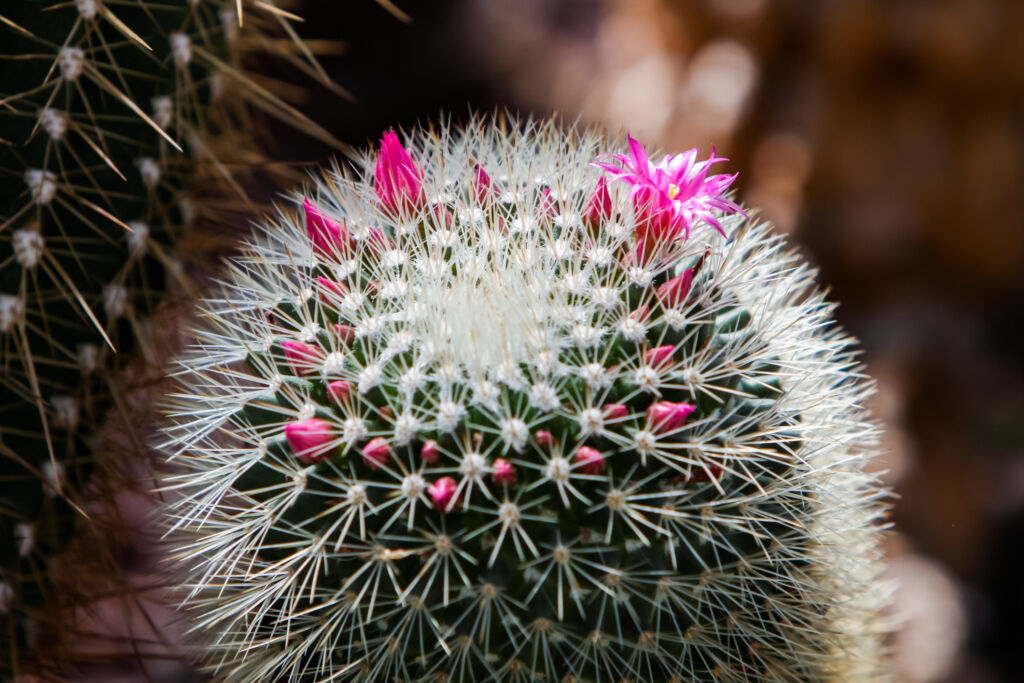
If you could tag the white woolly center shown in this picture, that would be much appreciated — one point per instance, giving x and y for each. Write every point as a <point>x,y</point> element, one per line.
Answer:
<point>41,184</point>
<point>70,60</point>
<point>28,247</point>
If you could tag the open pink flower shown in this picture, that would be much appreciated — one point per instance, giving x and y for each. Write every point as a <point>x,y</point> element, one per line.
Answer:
<point>666,416</point>
<point>311,439</point>
<point>670,197</point>
<point>398,181</point>
<point>328,236</point>
<point>302,358</point>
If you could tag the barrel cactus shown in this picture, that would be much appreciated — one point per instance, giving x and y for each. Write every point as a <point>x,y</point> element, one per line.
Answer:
<point>505,405</point>
<point>121,124</point>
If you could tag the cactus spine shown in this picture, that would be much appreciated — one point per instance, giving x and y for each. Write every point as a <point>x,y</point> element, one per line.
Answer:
<point>480,416</point>
<point>121,122</point>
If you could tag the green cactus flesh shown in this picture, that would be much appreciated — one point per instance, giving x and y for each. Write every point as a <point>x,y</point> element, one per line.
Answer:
<point>739,545</point>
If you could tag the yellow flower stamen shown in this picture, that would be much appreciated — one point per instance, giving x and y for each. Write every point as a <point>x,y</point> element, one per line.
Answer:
<point>673,190</point>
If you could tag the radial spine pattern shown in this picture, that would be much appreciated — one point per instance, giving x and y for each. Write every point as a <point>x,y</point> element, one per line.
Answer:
<point>477,413</point>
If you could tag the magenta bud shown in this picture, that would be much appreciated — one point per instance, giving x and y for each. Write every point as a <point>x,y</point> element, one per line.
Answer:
<point>640,313</point>
<point>442,494</point>
<point>329,290</point>
<point>344,332</point>
<point>310,439</point>
<point>547,206</point>
<point>503,472</point>
<point>543,438</point>
<point>302,358</point>
<point>483,190</point>
<point>589,460</point>
<point>674,291</point>
<point>430,453</point>
<point>328,236</point>
<point>615,411</point>
<point>339,391</point>
<point>665,416</point>
<point>599,206</point>
<point>659,356</point>
<point>398,181</point>
<point>376,453</point>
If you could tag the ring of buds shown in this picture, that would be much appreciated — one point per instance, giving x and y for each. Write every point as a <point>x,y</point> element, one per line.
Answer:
<point>484,413</point>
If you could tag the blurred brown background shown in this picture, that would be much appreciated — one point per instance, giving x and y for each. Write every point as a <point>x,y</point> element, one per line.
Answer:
<point>885,136</point>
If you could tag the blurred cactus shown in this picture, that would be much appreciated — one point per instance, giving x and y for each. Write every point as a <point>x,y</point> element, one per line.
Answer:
<point>122,123</point>
<point>477,415</point>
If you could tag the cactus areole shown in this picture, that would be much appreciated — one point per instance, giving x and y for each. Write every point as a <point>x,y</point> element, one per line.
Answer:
<point>586,421</point>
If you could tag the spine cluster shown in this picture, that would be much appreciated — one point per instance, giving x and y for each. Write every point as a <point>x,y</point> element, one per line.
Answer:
<point>507,407</point>
<point>123,122</point>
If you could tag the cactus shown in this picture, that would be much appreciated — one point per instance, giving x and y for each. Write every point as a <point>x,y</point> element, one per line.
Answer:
<point>121,122</point>
<point>474,413</point>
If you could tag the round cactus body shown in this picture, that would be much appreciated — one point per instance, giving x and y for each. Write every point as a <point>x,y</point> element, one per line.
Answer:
<point>505,406</point>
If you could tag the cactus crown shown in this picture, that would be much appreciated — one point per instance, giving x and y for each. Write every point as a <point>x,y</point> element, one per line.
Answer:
<point>478,415</point>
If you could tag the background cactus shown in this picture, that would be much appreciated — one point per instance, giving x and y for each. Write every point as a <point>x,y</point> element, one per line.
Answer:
<point>478,415</point>
<point>123,124</point>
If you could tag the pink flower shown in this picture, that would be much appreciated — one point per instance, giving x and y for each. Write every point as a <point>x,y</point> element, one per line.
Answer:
<point>665,416</point>
<point>659,356</point>
<point>339,391</point>
<point>589,460</point>
<point>376,453</point>
<point>302,358</point>
<point>442,493</point>
<point>543,438</point>
<point>671,197</point>
<point>344,332</point>
<point>398,181</point>
<point>599,207</point>
<point>310,439</point>
<point>429,452</point>
<point>674,292</point>
<point>483,189</point>
<point>328,237</point>
<point>503,472</point>
<point>329,290</point>
<point>546,206</point>
<point>615,411</point>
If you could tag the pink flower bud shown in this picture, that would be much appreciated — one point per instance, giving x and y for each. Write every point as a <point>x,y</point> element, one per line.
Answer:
<point>329,290</point>
<point>376,453</point>
<point>483,189</point>
<point>339,391</point>
<point>659,356</point>
<point>615,411</point>
<point>712,473</point>
<point>640,313</point>
<point>543,438</point>
<point>674,292</point>
<point>430,453</point>
<point>398,181</point>
<point>442,494</point>
<point>599,206</point>
<point>589,460</point>
<point>328,237</point>
<point>310,439</point>
<point>344,332</point>
<point>547,207</point>
<point>665,416</point>
<point>503,472</point>
<point>302,358</point>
